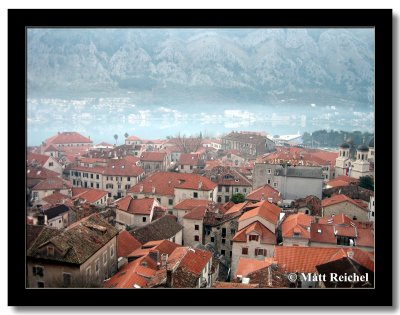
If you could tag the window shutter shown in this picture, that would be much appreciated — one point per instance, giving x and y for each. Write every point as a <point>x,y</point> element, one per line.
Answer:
<point>256,251</point>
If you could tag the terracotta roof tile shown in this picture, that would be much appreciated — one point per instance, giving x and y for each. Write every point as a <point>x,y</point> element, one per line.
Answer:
<point>247,266</point>
<point>165,182</point>
<point>136,206</point>
<point>335,199</point>
<point>150,156</point>
<point>68,137</point>
<point>264,193</point>
<point>266,236</point>
<point>132,138</point>
<point>53,183</point>
<point>126,244</point>
<point>236,207</point>
<point>55,198</point>
<point>189,204</point>
<point>233,285</point>
<point>297,223</point>
<point>40,159</point>
<point>196,213</point>
<point>40,173</point>
<point>266,210</point>
<point>189,159</point>
<point>195,261</point>
<point>91,195</point>
<point>302,259</point>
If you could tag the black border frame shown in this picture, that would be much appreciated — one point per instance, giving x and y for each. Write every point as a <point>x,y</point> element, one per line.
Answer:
<point>19,19</point>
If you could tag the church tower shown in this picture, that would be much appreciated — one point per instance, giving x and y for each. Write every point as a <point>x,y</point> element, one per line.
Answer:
<point>343,160</point>
<point>361,165</point>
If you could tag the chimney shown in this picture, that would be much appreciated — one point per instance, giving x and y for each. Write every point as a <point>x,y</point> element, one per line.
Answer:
<point>164,259</point>
<point>153,189</point>
<point>200,184</point>
<point>350,254</point>
<point>141,188</point>
<point>169,279</point>
<point>270,200</point>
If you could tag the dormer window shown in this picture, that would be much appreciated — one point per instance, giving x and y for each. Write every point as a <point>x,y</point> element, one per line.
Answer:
<point>296,234</point>
<point>253,237</point>
<point>50,251</point>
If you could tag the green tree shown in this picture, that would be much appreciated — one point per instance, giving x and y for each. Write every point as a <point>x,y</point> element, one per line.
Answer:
<point>116,138</point>
<point>126,135</point>
<point>366,182</point>
<point>238,198</point>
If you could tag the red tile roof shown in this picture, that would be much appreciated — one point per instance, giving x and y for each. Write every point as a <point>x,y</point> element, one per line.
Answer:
<point>55,198</point>
<point>349,231</point>
<point>189,204</point>
<point>365,238</point>
<point>40,159</point>
<point>362,257</point>
<point>189,159</point>
<point>233,285</point>
<point>67,137</point>
<point>196,213</point>
<point>264,193</point>
<point>53,183</point>
<point>342,180</point>
<point>51,148</point>
<point>266,236</point>
<point>299,223</point>
<point>40,172</point>
<point>165,182</point>
<point>247,266</point>
<point>131,274</point>
<point>335,199</point>
<point>302,259</point>
<point>135,206</point>
<point>266,210</point>
<point>132,138</point>
<point>149,156</point>
<point>93,195</point>
<point>126,244</point>
<point>227,176</point>
<point>195,260</point>
<point>237,207</point>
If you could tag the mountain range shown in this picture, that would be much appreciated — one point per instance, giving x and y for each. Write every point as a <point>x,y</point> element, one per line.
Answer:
<point>202,65</point>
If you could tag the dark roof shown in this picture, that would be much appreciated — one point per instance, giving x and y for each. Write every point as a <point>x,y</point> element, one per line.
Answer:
<point>372,143</point>
<point>362,147</point>
<point>32,232</point>
<point>345,145</point>
<point>160,229</point>
<point>55,211</point>
<point>75,244</point>
<point>342,267</point>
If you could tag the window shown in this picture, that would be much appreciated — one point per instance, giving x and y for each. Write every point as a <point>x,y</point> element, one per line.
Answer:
<point>196,227</point>
<point>97,176</point>
<point>226,198</point>
<point>97,266</point>
<point>223,241</point>
<point>66,279</point>
<point>119,186</point>
<point>253,237</point>
<point>159,199</point>
<point>233,231</point>
<point>51,164</point>
<point>135,197</point>
<point>127,187</point>
<point>223,232</point>
<point>219,199</point>
<point>191,167</point>
<point>212,239</point>
<point>181,167</point>
<point>268,181</point>
<point>230,254</point>
<point>38,271</point>
<point>88,272</point>
<point>244,190</point>
<point>260,252</point>
<point>373,213</point>
<point>245,251</point>
<point>91,176</point>
<point>269,171</point>
<point>97,185</point>
<point>195,195</point>
<point>40,284</point>
<point>170,201</point>
<point>275,184</point>
<point>50,251</point>
<point>128,179</point>
<point>219,188</point>
<point>91,185</point>
<point>222,252</point>
<point>144,219</point>
<point>112,251</point>
<point>196,238</point>
<point>226,188</point>
<point>104,258</point>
